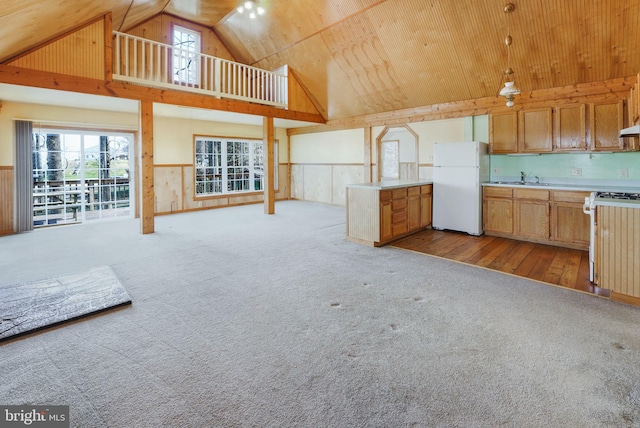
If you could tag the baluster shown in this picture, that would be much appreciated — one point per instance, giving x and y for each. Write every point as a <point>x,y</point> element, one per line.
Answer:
<point>126,57</point>
<point>143,65</point>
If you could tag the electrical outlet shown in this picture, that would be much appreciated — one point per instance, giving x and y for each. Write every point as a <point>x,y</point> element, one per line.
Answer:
<point>623,173</point>
<point>576,172</point>
<point>497,171</point>
<point>199,203</point>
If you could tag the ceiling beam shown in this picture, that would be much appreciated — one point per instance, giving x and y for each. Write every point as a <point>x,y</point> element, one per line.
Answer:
<point>579,93</point>
<point>62,82</point>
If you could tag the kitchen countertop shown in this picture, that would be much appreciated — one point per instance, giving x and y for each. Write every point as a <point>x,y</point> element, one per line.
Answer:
<point>577,187</point>
<point>391,184</point>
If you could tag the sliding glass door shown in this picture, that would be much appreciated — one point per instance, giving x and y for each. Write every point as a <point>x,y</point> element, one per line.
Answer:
<point>80,176</point>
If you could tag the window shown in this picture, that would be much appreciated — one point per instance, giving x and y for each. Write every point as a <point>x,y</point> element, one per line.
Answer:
<point>80,176</point>
<point>225,165</point>
<point>186,50</point>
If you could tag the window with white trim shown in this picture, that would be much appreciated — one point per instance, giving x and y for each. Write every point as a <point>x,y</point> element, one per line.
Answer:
<point>228,165</point>
<point>186,50</point>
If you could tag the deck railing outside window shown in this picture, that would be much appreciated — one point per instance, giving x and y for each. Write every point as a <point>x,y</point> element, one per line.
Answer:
<point>145,62</point>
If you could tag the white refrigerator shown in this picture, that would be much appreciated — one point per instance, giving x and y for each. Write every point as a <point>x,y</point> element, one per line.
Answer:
<point>459,169</point>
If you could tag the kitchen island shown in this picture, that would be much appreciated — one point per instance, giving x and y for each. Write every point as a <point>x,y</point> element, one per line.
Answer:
<point>380,212</point>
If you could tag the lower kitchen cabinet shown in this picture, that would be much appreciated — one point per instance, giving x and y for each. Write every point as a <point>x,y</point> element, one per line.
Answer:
<point>552,217</point>
<point>531,213</point>
<point>426,205</point>
<point>376,216</point>
<point>569,224</point>
<point>497,208</point>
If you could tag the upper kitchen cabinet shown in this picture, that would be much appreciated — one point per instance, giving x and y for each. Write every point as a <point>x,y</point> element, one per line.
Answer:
<point>534,131</point>
<point>605,122</point>
<point>527,131</point>
<point>503,133</point>
<point>570,128</point>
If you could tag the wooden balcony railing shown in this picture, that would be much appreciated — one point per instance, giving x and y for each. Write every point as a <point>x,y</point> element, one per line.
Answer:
<point>149,63</point>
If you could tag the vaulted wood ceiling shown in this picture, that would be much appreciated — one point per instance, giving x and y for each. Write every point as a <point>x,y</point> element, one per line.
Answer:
<point>361,57</point>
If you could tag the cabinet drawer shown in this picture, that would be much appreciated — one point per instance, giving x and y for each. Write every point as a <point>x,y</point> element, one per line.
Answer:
<point>569,196</point>
<point>426,189</point>
<point>498,192</point>
<point>398,204</point>
<point>538,195</point>
<point>413,191</point>
<point>385,195</point>
<point>399,193</point>
<point>399,229</point>
<point>398,217</point>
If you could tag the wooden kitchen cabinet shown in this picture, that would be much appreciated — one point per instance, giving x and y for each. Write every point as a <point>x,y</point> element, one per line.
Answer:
<point>413,208</point>
<point>569,224</point>
<point>503,133</point>
<point>531,219</point>
<point>535,131</point>
<point>527,131</point>
<point>385,215</point>
<point>497,208</point>
<point>426,205</point>
<point>605,122</point>
<point>551,217</point>
<point>570,127</point>
<point>376,215</point>
<point>399,214</point>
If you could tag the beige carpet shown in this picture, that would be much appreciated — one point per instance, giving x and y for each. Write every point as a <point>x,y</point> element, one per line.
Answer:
<point>247,320</point>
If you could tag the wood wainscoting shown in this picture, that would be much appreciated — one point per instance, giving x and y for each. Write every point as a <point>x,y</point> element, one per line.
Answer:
<point>6,200</point>
<point>550,264</point>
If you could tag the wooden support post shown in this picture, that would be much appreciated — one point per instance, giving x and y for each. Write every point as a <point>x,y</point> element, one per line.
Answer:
<point>367,155</point>
<point>268,141</point>
<point>147,196</point>
<point>108,48</point>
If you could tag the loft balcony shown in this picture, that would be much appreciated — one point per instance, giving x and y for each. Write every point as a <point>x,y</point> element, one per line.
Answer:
<point>145,62</point>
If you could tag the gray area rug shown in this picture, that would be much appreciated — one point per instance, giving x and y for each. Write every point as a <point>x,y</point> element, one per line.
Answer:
<point>248,320</point>
<point>32,306</point>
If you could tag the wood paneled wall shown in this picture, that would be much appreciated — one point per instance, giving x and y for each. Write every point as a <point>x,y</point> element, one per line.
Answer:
<point>174,193</point>
<point>79,53</point>
<point>6,200</point>
<point>618,249</point>
<point>300,99</point>
<point>160,27</point>
<point>325,183</point>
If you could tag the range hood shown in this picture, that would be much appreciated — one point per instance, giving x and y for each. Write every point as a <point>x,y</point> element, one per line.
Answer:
<point>633,131</point>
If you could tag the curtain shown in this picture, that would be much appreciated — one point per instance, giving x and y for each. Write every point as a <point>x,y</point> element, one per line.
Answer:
<point>23,174</point>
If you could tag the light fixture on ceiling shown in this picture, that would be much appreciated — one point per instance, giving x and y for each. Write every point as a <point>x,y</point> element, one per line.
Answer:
<point>510,89</point>
<point>252,9</point>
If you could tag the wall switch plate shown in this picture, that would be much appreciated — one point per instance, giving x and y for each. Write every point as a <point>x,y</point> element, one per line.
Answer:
<point>496,171</point>
<point>576,172</point>
<point>623,172</point>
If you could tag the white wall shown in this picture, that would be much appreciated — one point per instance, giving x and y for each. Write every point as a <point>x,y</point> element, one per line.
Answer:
<point>323,163</point>
<point>59,115</point>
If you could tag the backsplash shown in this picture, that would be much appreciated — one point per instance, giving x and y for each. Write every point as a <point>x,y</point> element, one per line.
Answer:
<point>570,167</point>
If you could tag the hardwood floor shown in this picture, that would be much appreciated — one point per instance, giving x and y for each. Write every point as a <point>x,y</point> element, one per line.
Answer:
<point>554,265</point>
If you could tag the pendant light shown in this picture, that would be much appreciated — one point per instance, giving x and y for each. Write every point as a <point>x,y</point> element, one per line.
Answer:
<point>510,89</point>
